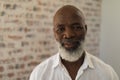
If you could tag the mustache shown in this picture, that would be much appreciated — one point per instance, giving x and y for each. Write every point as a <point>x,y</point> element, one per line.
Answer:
<point>70,40</point>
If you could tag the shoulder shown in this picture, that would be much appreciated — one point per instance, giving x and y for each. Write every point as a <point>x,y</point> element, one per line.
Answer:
<point>43,68</point>
<point>103,68</point>
<point>97,62</point>
<point>48,62</point>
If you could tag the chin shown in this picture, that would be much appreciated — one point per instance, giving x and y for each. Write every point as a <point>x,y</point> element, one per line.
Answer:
<point>71,55</point>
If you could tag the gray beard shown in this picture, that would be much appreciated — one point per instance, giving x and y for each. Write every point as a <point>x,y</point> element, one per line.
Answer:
<point>71,56</point>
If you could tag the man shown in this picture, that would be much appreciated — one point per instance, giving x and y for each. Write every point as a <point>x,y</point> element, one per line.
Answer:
<point>72,62</point>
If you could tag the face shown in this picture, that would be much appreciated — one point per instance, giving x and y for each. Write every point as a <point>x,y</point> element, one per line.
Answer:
<point>69,29</point>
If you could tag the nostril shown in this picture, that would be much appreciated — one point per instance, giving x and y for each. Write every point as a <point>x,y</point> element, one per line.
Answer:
<point>69,35</point>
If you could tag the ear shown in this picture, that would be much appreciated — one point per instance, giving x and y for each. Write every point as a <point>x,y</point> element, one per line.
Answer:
<point>86,28</point>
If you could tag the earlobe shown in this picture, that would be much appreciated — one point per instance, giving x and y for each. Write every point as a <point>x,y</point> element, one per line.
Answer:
<point>86,28</point>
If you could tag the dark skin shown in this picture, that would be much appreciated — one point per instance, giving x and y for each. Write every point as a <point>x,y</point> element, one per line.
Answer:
<point>69,24</point>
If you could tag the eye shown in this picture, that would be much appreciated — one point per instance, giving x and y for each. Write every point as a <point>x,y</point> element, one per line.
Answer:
<point>60,29</point>
<point>77,27</point>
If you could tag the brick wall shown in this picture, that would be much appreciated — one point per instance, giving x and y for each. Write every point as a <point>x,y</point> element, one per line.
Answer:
<point>26,36</point>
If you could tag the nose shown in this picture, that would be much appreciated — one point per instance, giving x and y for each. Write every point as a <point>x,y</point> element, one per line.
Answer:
<point>69,33</point>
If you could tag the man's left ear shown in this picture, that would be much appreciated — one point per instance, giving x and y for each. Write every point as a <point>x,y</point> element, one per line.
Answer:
<point>86,27</point>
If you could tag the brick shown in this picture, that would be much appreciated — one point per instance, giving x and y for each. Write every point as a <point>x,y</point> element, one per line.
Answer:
<point>15,37</point>
<point>33,63</point>
<point>10,75</point>
<point>1,68</point>
<point>1,76</point>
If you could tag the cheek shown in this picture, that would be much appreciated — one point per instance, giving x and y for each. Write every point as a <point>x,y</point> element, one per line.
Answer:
<point>81,35</point>
<point>58,37</point>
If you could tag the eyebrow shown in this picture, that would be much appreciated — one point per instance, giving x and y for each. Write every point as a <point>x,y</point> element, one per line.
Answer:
<point>59,25</point>
<point>76,23</point>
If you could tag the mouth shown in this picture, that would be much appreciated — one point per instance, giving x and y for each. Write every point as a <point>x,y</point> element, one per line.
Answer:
<point>71,45</point>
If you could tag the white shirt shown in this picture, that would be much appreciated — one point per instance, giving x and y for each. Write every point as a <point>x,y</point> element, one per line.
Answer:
<point>91,69</point>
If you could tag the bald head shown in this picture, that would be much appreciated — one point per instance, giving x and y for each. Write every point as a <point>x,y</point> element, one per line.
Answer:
<point>69,11</point>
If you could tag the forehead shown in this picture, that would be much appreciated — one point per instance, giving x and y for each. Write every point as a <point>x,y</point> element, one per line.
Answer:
<point>71,17</point>
<point>68,15</point>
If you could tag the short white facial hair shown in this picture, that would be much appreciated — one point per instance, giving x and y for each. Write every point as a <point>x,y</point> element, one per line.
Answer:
<point>71,56</point>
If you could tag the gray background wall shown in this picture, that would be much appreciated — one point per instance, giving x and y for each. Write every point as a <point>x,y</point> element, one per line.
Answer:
<point>110,33</point>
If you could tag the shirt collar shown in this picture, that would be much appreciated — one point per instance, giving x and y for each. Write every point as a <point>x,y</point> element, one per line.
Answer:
<point>87,61</point>
<point>57,60</point>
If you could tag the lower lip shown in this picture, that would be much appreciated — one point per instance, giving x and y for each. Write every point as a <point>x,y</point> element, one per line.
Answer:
<point>69,45</point>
